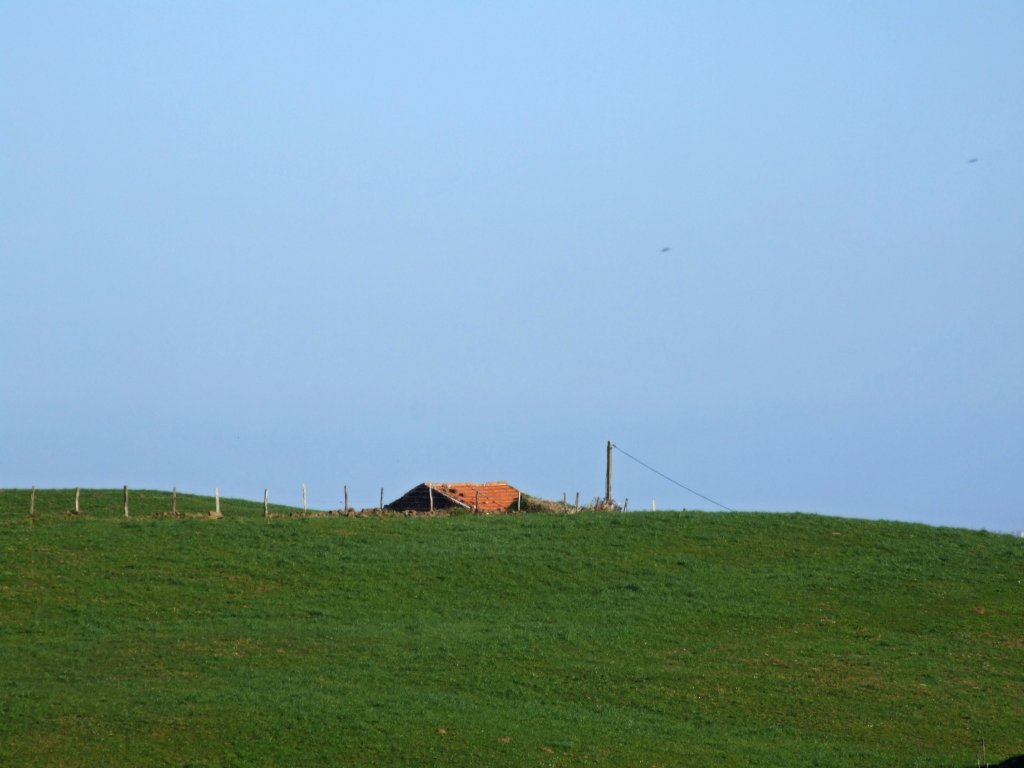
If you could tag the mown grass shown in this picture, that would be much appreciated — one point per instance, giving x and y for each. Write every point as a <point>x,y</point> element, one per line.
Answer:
<point>669,639</point>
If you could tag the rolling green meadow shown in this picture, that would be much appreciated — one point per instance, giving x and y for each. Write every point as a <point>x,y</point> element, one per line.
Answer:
<point>596,639</point>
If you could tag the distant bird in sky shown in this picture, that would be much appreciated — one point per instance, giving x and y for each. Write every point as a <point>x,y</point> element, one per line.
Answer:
<point>972,160</point>
<point>666,249</point>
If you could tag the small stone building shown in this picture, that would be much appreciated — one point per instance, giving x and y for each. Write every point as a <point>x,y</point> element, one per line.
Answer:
<point>481,498</point>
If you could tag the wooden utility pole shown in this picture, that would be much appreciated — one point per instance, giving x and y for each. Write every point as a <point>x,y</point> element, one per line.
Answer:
<point>608,477</point>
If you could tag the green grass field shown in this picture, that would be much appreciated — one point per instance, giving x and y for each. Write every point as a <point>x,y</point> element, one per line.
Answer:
<point>668,639</point>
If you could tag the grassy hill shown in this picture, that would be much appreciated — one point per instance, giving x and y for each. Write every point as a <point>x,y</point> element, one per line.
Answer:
<point>668,639</point>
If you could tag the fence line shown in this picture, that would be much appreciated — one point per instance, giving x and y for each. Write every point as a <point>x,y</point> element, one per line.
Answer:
<point>148,504</point>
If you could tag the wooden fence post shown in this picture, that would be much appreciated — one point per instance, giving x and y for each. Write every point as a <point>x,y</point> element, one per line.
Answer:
<point>78,497</point>
<point>430,492</point>
<point>216,502</point>
<point>346,500</point>
<point>32,504</point>
<point>174,501</point>
<point>565,505</point>
<point>577,501</point>
<point>380,507</point>
<point>126,502</point>
<point>304,509</point>
<point>477,503</point>
<point>519,502</point>
<point>266,502</point>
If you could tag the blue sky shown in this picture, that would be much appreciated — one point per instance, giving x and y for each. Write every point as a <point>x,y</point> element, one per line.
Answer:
<point>255,245</point>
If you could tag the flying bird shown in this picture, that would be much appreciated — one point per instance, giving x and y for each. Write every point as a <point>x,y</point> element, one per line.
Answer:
<point>666,249</point>
<point>972,160</point>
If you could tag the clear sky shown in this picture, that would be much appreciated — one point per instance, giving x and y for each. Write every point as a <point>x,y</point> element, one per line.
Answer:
<point>254,245</point>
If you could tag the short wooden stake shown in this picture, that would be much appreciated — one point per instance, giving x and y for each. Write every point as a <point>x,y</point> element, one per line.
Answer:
<point>346,500</point>
<point>380,507</point>
<point>126,502</point>
<point>78,498</point>
<point>577,501</point>
<point>519,502</point>
<point>304,509</point>
<point>174,502</point>
<point>216,501</point>
<point>266,502</point>
<point>32,503</point>
<point>477,510</point>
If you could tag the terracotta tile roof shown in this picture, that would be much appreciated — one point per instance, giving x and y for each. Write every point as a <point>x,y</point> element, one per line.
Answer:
<point>493,497</point>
